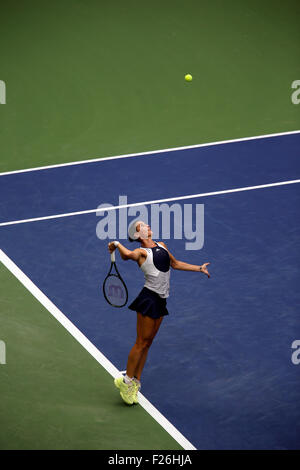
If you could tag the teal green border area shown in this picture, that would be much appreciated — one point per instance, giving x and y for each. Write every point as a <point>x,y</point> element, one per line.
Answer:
<point>89,79</point>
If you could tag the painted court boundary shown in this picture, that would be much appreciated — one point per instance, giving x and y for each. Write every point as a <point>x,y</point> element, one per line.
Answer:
<point>102,159</point>
<point>84,341</point>
<point>144,203</point>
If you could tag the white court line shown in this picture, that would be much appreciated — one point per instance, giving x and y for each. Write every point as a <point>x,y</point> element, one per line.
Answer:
<point>144,203</point>
<point>85,342</point>
<point>99,159</point>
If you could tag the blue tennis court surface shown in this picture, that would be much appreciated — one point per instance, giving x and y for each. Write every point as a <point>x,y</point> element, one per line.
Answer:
<point>220,368</point>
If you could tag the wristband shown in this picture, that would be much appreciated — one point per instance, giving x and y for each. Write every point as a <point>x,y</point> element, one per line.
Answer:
<point>116,244</point>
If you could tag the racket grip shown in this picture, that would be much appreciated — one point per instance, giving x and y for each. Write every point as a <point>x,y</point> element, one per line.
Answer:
<point>113,256</point>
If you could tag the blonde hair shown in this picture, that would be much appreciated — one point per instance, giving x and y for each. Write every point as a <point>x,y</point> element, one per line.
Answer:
<point>132,232</point>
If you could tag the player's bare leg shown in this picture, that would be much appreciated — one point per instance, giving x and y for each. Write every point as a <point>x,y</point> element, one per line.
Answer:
<point>146,330</point>
<point>130,385</point>
<point>139,369</point>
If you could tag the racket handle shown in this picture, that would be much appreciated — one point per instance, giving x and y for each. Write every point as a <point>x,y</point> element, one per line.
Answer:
<point>113,256</point>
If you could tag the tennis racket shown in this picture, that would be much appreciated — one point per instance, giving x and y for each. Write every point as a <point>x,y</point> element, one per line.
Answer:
<point>114,288</point>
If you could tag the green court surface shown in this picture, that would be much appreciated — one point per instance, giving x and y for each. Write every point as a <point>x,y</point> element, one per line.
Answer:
<point>89,79</point>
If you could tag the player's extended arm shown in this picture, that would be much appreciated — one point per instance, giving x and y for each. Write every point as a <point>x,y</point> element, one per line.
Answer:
<point>124,252</point>
<point>182,266</point>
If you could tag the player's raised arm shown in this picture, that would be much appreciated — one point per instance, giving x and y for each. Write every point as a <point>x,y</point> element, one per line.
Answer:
<point>182,266</point>
<point>126,254</point>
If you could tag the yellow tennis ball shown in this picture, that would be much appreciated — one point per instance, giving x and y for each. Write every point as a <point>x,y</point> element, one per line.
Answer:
<point>188,77</point>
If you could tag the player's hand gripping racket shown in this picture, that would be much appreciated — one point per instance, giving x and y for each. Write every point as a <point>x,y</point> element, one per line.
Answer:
<point>114,288</point>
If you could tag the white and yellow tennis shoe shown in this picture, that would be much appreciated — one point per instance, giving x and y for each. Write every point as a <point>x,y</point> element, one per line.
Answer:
<point>137,385</point>
<point>127,391</point>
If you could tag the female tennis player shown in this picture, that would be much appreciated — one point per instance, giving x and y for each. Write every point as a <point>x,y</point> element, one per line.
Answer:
<point>155,260</point>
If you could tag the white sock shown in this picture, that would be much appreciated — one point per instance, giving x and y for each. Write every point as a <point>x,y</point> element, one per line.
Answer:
<point>127,379</point>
